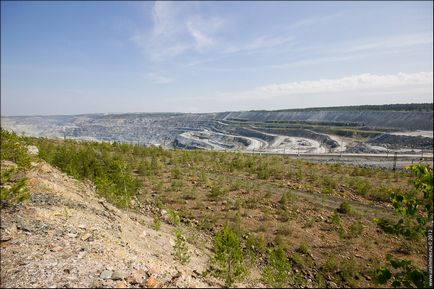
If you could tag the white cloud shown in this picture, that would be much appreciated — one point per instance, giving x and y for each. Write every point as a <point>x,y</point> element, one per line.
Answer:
<point>165,17</point>
<point>421,82</point>
<point>202,40</point>
<point>314,61</point>
<point>177,28</point>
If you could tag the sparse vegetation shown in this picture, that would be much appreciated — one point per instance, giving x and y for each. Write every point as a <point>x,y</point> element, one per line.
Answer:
<point>257,197</point>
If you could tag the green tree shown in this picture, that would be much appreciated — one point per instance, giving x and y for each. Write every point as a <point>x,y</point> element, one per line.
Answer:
<point>228,260</point>
<point>12,192</point>
<point>417,214</point>
<point>13,149</point>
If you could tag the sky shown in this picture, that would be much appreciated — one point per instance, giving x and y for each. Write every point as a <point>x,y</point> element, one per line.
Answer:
<point>102,57</point>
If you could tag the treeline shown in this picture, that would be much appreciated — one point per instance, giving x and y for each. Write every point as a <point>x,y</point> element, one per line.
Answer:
<point>13,188</point>
<point>102,163</point>
<point>417,107</point>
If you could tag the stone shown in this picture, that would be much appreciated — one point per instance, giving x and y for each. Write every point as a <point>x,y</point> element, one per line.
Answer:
<point>136,277</point>
<point>151,282</point>
<point>32,150</point>
<point>117,275</point>
<point>81,255</point>
<point>86,237</point>
<point>23,227</point>
<point>120,284</point>
<point>333,285</point>
<point>106,274</point>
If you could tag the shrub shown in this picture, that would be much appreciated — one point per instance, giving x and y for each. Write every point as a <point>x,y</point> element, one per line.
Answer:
<point>228,260</point>
<point>330,265</point>
<point>12,193</point>
<point>286,197</point>
<point>363,187</point>
<point>174,218</point>
<point>144,168</point>
<point>180,249</point>
<point>13,148</point>
<point>215,192</point>
<point>344,208</point>
<point>303,249</point>
<point>190,195</point>
<point>329,183</point>
<point>255,245</point>
<point>175,173</point>
<point>277,271</point>
<point>263,171</point>
<point>157,224</point>
<point>156,165</point>
<point>336,220</point>
<point>356,229</point>
<point>416,218</point>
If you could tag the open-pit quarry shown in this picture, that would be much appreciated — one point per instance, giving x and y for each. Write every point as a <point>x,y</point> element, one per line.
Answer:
<point>302,133</point>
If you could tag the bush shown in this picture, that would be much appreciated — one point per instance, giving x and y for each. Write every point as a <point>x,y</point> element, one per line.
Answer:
<point>228,260</point>
<point>336,220</point>
<point>107,165</point>
<point>277,271</point>
<point>286,197</point>
<point>303,248</point>
<point>416,218</point>
<point>344,208</point>
<point>330,265</point>
<point>157,224</point>
<point>356,229</point>
<point>255,245</point>
<point>174,218</point>
<point>12,193</point>
<point>215,192</point>
<point>180,249</point>
<point>13,148</point>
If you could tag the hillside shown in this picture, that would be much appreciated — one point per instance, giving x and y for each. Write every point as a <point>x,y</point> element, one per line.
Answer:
<point>405,120</point>
<point>179,213</point>
<point>67,236</point>
<point>385,107</point>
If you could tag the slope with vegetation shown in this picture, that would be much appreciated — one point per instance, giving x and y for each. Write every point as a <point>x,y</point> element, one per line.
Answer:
<point>243,219</point>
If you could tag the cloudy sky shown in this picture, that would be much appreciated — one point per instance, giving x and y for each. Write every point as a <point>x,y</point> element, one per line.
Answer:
<point>83,57</point>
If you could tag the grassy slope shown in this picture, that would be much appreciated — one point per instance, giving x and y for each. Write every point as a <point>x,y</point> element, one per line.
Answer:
<point>210,188</point>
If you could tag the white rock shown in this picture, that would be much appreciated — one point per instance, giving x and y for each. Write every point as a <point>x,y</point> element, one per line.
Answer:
<point>33,150</point>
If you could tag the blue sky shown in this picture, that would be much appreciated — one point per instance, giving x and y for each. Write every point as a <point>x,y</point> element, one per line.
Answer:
<point>83,57</point>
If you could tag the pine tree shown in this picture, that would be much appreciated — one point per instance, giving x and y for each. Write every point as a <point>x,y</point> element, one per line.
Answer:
<point>228,260</point>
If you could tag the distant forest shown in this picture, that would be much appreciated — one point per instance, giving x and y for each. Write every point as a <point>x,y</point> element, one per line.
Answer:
<point>383,107</point>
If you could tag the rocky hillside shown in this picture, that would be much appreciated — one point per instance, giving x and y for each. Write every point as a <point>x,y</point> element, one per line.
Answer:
<point>65,236</point>
<point>403,120</point>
